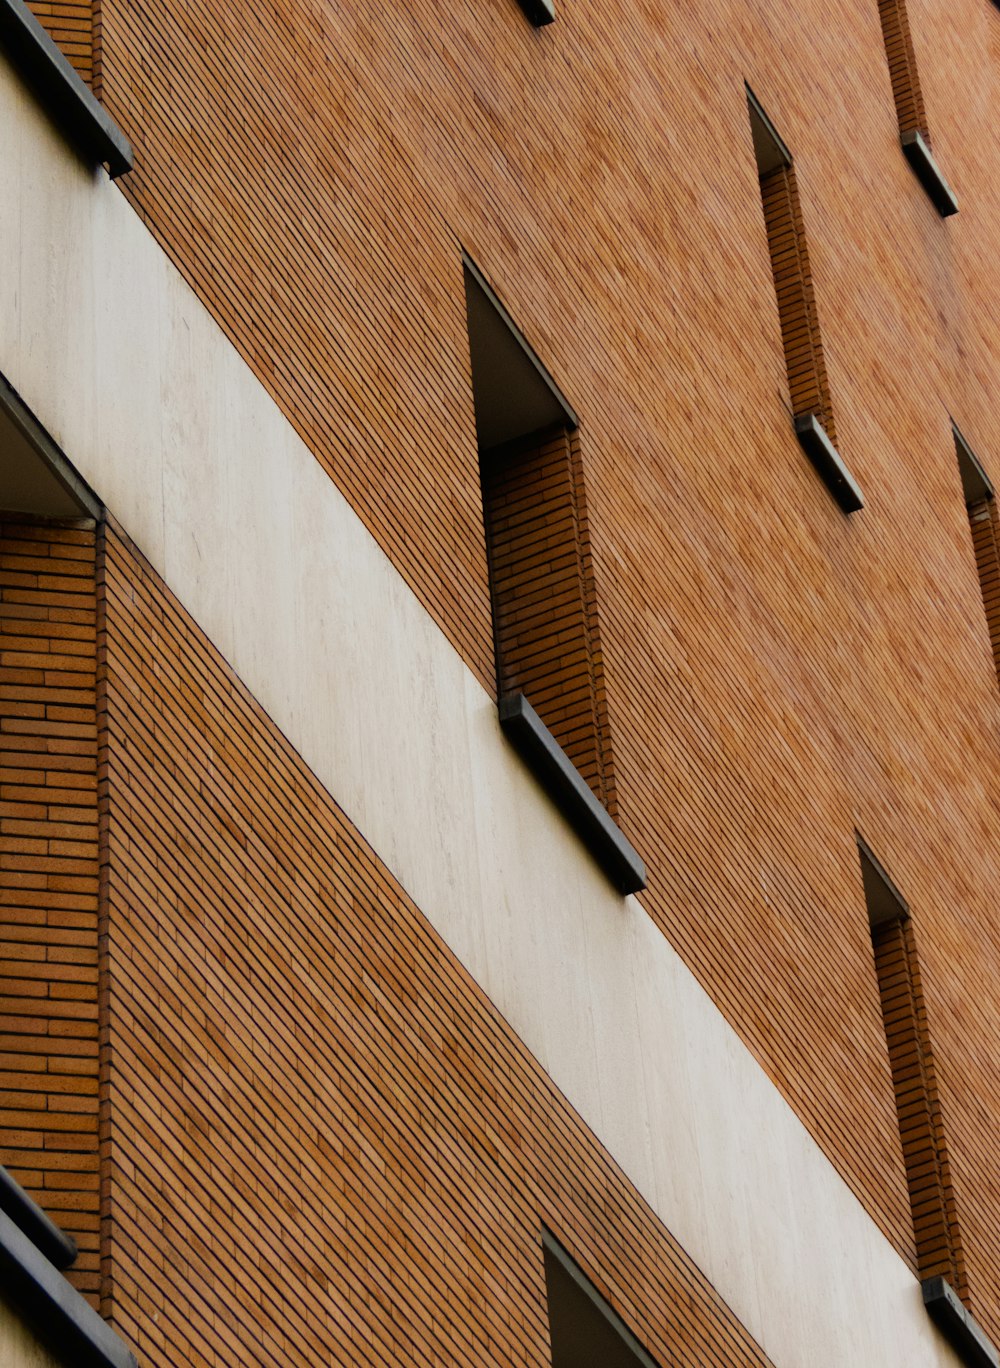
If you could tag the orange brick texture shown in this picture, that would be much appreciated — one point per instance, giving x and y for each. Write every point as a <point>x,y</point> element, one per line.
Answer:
<point>809,388</point>
<point>49,878</point>
<point>71,24</point>
<point>776,675</point>
<point>545,625</point>
<point>902,67</point>
<point>324,1144</point>
<point>986,542</point>
<point>921,1126</point>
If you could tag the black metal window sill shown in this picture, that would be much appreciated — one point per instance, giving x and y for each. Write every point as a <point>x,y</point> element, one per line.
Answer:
<point>58,1247</point>
<point>565,784</point>
<point>32,1250</point>
<point>60,89</point>
<point>827,460</point>
<point>958,1326</point>
<point>928,173</point>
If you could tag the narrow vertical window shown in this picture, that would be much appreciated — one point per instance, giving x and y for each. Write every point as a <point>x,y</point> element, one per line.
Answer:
<point>981,507</point>
<point>550,687</point>
<point>532,504</point>
<point>914,133</point>
<point>808,386</point>
<point>936,1231</point>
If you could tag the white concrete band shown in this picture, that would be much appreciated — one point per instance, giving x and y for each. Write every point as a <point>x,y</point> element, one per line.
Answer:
<point>153,405</point>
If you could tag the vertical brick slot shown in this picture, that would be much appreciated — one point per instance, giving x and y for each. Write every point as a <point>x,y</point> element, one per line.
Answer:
<point>983,525</point>
<point>937,1237</point>
<point>545,617</point>
<point>903,68</point>
<point>921,1132</point>
<point>809,389</point>
<point>48,877</point>
<point>543,623</point>
<point>70,23</point>
<point>914,134</point>
<point>808,386</point>
<point>980,504</point>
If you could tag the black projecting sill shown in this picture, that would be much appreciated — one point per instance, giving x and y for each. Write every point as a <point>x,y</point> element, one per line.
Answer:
<point>32,1250</point>
<point>928,173</point>
<point>566,785</point>
<point>958,1326</point>
<point>58,1247</point>
<point>826,458</point>
<point>60,90</point>
<point>540,12</point>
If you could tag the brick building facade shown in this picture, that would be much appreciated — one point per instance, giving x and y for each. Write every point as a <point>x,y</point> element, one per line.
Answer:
<point>499,815</point>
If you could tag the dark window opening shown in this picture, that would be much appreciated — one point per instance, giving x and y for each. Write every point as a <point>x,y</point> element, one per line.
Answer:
<point>583,1329</point>
<point>937,1236</point>
<point>981,507</point>
<point>914,134</point>
<point>808,386</point>
<point>549,665</point>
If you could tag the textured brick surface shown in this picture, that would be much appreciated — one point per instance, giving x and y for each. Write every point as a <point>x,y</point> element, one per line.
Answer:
<point>921,1126</point>
<point>324,1144</point>
<point>49,878</point>
<point>544,618</point>
<point>808,386</point>
<point>776,675</point>
<point>902,67</point>
<point>71,24</point>
<point>985,537</point>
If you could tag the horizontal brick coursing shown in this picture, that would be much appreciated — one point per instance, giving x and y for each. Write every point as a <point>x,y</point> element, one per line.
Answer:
<point>49,878</point>
<point>71,24</point>
<point>921,1126</point>
<point>325,1144</point>
<point>985,538</point>
<point>544,605</point>
<point>902,67</point>
<point>808,386</point>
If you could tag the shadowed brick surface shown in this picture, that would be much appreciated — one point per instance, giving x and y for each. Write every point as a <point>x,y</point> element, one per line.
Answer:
<point>49,878</point>
<point>72,24</point>
<point>544,606</point>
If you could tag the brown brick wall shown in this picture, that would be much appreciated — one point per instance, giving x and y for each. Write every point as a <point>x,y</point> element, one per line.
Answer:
<point>49,878</point>
<point>325,1145</point>
<point>776,674</point>
<point>71,24</point>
